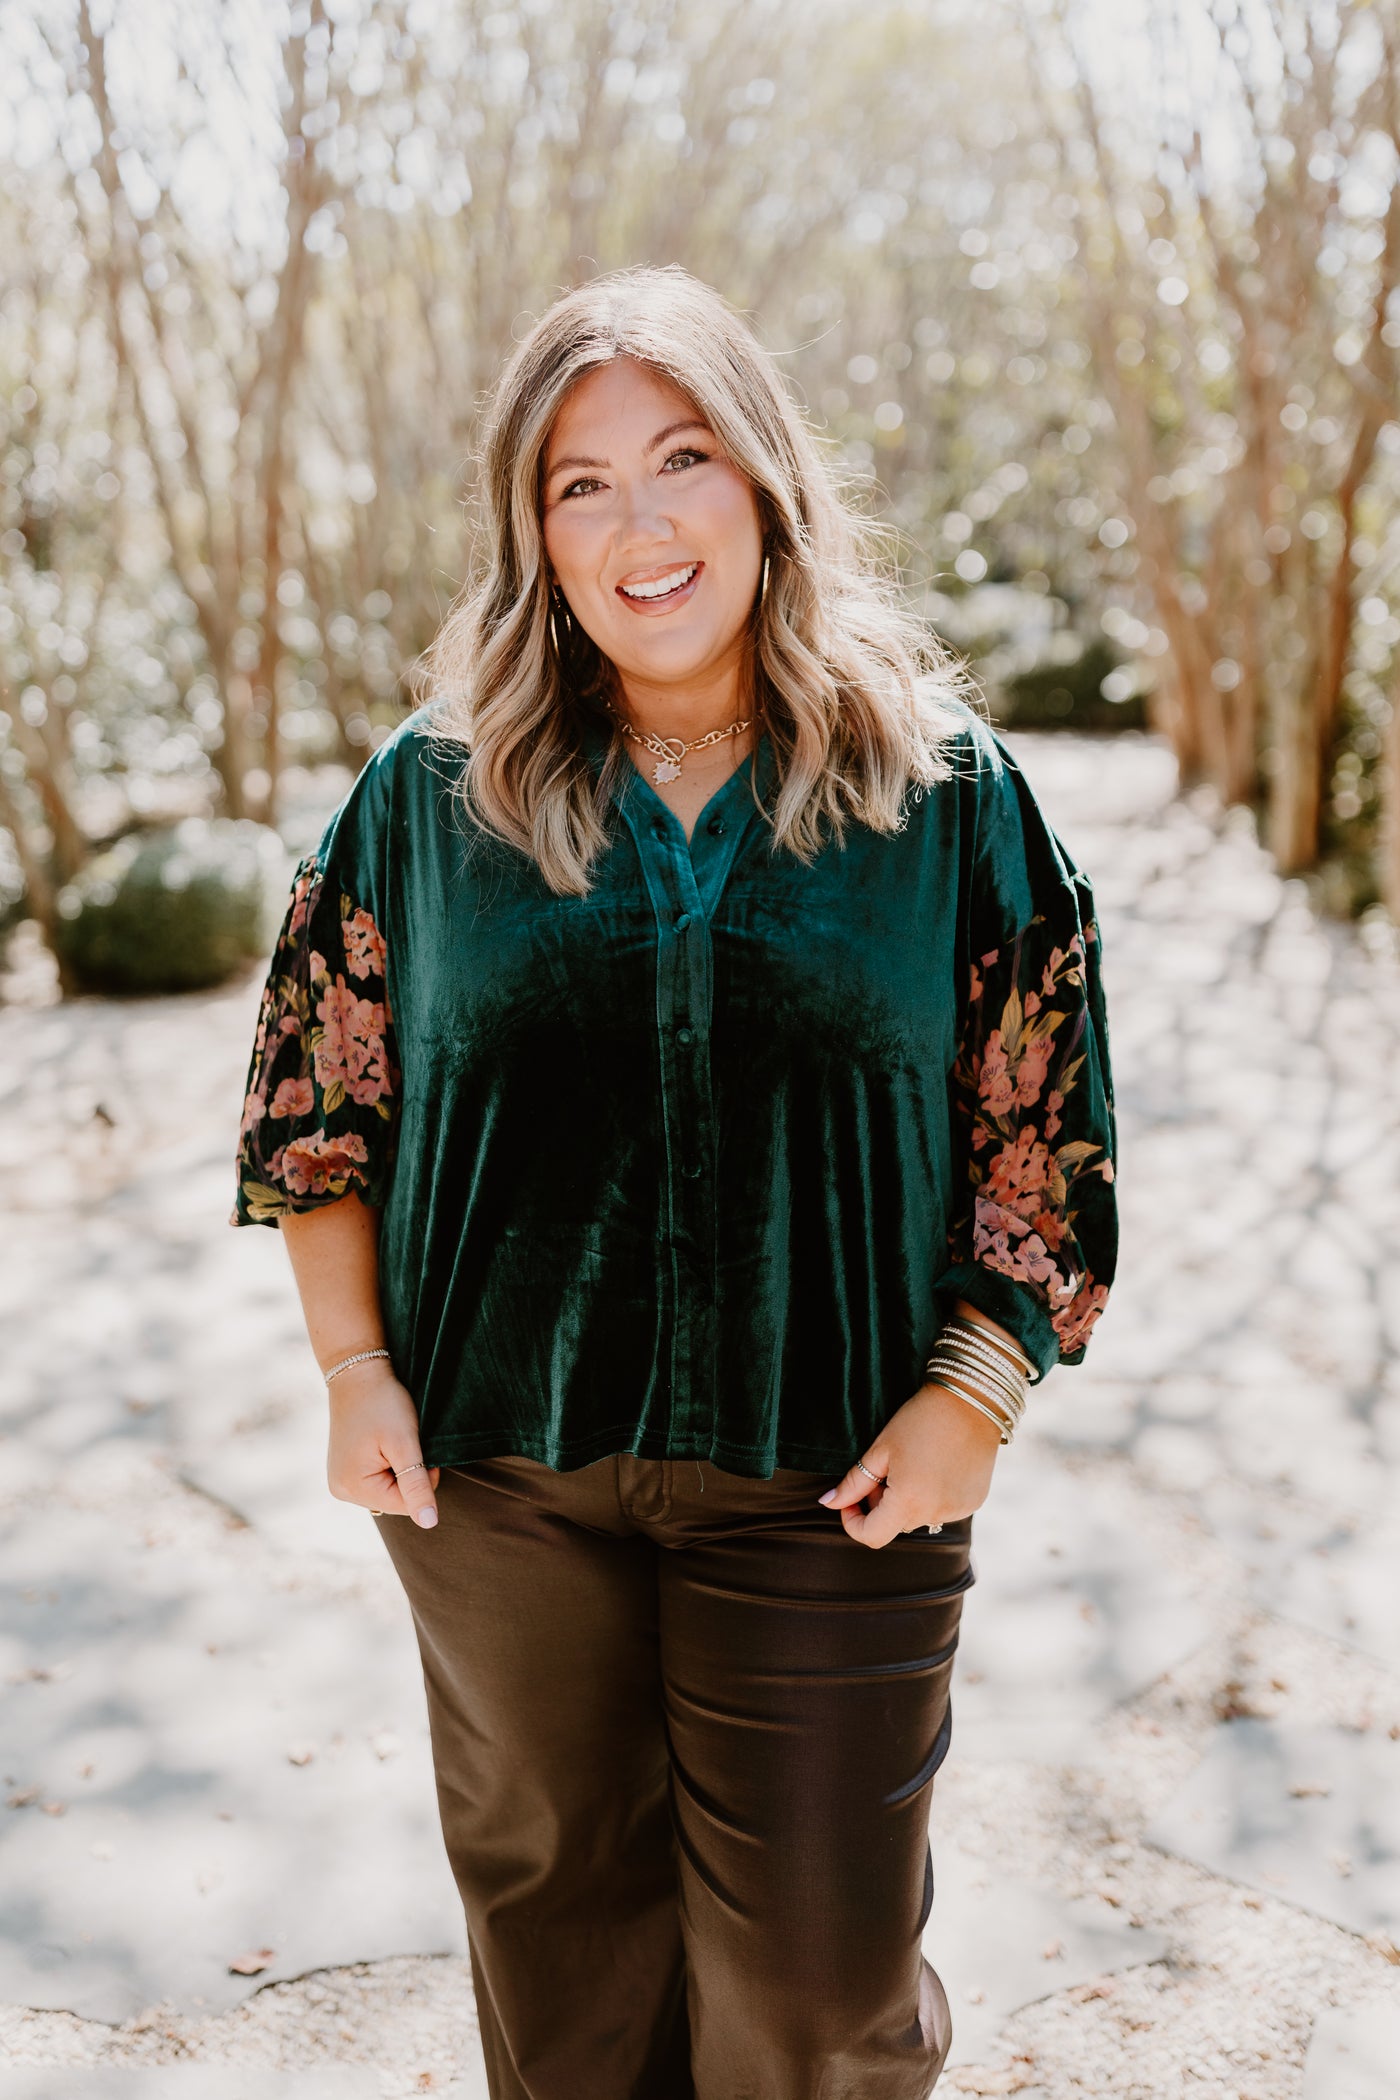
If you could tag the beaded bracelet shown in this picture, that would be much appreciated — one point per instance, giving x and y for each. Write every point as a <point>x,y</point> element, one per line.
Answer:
<point>990,1361</point>
<point>989,1366</point>
<point>364,1356</point>
<point>987,1370</point>
<point>990,1375</point>
<point>1001,1343</point>
<point>998,1421</point>
<point>985,1404</point>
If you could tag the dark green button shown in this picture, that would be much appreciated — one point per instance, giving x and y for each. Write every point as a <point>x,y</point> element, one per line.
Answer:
<point>682,922</point>
<point>693,1173</point>
<point>685,1035</point>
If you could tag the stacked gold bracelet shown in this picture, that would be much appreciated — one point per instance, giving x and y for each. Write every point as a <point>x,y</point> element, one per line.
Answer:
<point>986,1371</point>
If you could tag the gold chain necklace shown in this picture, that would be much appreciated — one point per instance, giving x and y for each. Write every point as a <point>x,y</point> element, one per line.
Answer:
<point>671,752</point>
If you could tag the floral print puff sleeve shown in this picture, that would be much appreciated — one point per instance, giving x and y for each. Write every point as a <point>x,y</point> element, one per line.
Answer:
<point>1034,1240</point>
<point>321,1108</point>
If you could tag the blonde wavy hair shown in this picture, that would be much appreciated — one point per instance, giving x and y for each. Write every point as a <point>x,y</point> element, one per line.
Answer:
<point>858,697</point>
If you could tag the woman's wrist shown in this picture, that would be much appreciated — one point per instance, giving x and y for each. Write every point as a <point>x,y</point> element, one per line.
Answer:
<point>344,1362</point>
<point>977,1362</point>
<point>977,1424</point>
<point>995,1330</point>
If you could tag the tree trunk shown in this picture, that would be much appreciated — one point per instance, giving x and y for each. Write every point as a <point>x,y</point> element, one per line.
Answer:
<point>40,890</point>
<point>1390,815</point>
<point>1295,785</point>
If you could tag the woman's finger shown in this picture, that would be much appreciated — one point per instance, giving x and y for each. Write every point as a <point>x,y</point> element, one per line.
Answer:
<point>883,1521</point>
<point>408,1490</point>
<point>858,1485</point>
<point>879,1521</point>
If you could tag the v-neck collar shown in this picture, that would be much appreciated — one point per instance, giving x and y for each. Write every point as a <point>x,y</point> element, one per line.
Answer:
<point>685,876</point>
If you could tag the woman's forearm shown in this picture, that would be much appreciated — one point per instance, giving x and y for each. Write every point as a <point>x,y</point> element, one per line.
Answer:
<point>375,1456</point>
<point>334,1253</point>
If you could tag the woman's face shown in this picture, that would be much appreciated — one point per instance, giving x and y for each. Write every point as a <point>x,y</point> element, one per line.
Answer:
<point>653,536</point>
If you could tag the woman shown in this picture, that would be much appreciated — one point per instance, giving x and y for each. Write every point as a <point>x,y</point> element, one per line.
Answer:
<point>683,1088</point>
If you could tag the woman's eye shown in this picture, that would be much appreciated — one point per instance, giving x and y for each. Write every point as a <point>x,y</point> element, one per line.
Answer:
<point>687,455</point>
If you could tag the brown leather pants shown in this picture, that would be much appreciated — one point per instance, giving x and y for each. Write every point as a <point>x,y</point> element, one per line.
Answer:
<point>685,1732</point>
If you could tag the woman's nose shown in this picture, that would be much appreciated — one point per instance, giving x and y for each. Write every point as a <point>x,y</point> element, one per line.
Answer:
<point>643,518</point>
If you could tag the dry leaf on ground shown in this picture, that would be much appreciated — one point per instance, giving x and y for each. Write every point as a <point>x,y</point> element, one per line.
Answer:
<point>252,1964</point>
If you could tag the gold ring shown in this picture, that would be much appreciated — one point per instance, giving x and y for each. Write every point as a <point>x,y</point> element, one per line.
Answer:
<point>376,1512</point>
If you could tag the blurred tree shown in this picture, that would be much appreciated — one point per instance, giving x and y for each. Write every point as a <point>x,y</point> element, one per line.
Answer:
<point>293,251</point>
<point>208,366</point>
<point>1124,341</point>
<point>1240,289</point>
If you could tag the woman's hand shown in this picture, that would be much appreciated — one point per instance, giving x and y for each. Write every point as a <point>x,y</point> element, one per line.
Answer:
<point>375,1458</point>
<point>936,1454</point>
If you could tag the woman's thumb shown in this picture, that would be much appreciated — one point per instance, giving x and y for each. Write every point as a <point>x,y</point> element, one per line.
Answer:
<point>416,1484</point>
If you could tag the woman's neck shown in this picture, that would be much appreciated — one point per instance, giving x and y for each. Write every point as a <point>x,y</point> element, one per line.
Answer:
<point>688,711</point>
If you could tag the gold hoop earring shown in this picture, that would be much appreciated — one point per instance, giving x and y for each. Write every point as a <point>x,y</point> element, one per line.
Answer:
<point>763,587</point>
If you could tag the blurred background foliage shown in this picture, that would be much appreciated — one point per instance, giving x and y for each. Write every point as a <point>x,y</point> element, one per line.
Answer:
<point>1099,304</point>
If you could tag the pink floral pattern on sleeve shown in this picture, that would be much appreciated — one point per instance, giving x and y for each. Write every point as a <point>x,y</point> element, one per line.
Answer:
<point>1038,1125</point>
<point>320,1112</point>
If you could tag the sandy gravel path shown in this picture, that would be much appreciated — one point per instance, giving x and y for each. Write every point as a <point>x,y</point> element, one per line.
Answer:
<point>1168,1837</point>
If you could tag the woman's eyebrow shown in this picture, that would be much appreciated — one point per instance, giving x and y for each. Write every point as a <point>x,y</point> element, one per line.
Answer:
<point>575,459</point>
<point>685,423</point>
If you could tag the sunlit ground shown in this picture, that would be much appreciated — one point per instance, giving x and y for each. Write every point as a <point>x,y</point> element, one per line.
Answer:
<point>1167,1846</point>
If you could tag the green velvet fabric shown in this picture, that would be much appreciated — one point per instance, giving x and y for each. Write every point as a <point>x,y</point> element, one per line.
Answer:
<point>692,1166</point>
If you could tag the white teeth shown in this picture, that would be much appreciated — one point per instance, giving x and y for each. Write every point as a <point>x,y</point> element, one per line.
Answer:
<point>663,584</point>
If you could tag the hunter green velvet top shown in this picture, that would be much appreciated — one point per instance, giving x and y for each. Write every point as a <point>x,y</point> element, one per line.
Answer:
<point>695,1165</point>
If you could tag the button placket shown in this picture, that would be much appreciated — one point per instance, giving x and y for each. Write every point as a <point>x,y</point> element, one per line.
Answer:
<point>692,1405</point>
<point>682,1010</point>
<point>685,886</point>
<point>714,849</point>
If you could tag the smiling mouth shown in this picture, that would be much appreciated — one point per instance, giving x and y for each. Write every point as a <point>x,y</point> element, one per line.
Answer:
<point>661,590</point>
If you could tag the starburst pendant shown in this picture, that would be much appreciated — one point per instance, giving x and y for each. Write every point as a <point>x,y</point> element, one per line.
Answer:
<point>666,769</point>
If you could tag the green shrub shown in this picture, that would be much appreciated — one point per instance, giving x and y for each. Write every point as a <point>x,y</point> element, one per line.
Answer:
<point>1037,670</point>
<point>171,909</point>
<point>1087,688</point>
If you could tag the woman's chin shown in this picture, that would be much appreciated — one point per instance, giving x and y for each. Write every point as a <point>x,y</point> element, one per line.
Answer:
<point>672,655</point>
